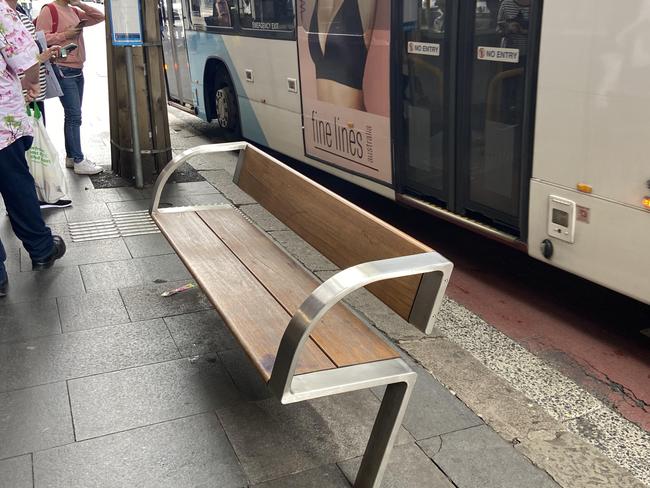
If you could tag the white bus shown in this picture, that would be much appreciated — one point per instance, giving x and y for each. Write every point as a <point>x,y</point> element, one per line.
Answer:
<point>525,120</point>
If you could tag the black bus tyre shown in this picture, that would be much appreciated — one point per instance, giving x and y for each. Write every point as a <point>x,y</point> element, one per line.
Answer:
<point>226,112</point>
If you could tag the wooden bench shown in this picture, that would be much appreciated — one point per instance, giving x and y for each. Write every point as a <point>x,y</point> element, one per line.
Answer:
<point>303,341</point>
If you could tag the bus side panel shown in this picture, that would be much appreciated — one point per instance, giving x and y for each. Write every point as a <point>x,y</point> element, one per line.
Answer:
<point>610,249</point>
<point>270,112</point>
<point>593,100</point>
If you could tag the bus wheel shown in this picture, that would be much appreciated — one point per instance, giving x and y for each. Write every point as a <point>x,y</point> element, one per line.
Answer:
<point>226,114</point>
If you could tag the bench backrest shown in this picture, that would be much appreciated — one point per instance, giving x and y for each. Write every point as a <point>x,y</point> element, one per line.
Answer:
<point>344,233</point>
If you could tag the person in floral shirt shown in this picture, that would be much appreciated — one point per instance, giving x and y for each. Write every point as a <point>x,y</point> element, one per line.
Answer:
<point>19,56</point>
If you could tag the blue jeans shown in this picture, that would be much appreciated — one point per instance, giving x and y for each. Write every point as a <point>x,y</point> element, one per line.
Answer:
<point>72,85</point>
<point>19,193</point>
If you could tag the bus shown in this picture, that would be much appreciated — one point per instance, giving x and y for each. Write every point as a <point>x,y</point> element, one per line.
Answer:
<point>524,120</point>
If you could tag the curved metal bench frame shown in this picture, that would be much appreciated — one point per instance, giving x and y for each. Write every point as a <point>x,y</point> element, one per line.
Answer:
<point>395,374</point>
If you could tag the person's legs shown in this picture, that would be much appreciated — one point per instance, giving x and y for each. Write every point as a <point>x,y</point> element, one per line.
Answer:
<point>71,80</point>
<point>19,194</point>
<point>72,85</point>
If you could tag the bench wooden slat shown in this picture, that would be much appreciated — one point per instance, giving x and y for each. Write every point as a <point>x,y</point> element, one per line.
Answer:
<point>338,229</point>
<point>252,314</point>
<point>344,338</point>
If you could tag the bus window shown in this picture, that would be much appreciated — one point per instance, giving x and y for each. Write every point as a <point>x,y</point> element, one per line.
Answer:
<point>267,15</point>
<point>212,13</point>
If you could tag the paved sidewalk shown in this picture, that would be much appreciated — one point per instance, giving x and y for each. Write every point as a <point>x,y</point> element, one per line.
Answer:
<point>104,383</point>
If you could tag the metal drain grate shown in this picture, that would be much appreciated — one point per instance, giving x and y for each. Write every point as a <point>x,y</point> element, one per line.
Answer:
<point>121,224</point>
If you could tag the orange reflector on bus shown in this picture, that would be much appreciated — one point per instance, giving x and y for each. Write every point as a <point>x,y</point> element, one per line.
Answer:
<point>646,202</point>
<point>165,66</point>
<point>584,188</point>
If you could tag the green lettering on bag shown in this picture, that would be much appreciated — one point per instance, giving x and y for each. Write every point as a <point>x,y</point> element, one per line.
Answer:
<point>38,156</point>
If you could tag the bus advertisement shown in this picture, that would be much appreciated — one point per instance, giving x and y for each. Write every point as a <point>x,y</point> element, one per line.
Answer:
<point>344,86</point>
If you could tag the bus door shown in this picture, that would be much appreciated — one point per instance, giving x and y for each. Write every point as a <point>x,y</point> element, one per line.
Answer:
<point>465,86</point>
<point>179,82</point>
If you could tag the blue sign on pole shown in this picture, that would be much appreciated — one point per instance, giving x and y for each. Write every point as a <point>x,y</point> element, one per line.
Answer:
<point>126,23</point>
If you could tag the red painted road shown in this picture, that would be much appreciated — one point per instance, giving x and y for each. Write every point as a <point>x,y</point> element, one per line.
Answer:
<point>589,333</point>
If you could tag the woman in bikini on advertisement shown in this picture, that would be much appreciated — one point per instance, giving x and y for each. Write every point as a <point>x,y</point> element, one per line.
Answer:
<point>339,37</point>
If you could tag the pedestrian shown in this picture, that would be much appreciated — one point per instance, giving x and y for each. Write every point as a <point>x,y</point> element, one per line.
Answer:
<point>39,100</point>
<point>19,55</point>
<point>63,22</point>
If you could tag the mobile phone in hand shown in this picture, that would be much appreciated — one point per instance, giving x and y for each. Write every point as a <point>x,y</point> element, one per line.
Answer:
<point>67,49</point>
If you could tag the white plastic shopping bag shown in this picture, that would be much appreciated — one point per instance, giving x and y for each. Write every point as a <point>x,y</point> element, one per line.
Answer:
<point>44,164</point>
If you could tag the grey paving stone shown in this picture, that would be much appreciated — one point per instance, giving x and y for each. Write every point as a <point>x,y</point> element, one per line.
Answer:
<point>164,268</point>
<point>111,275</point>
<point>86,196</point>
<point>433,410</point>
<point>189,452</point>
<point>130,193</point>
<point>209,199</point>
<point>84,353</point>
<point>303,252</point>
<point>181,142</point>
<point>477,457</point>
<point>408,467</point>
<point>224,161</point>
<point>16,472</point>
<point>262,217</point>
<point>324,477</point>
<point>87,213</point>
<point>34,418</point>
<point>145,303</point>
<point>92,310</point>
<point>134,272</point>
<point>114,402</point>
<point>244,374</point>
<point>148,245</point>
<point>137,205</point>
<point>200,333</point>
<point>222,181</point>
<point>22,321</point>
<point>54,216</point>
<point>41,285</point>
<point>189,188</point>
<point>273,440</point>
<point>78,253</point>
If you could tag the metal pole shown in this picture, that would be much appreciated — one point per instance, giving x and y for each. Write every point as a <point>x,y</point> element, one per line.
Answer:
<point>137,159</point>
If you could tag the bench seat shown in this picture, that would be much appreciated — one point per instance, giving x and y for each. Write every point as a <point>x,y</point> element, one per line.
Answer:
<point>257,287</point>
<point>304,342</point>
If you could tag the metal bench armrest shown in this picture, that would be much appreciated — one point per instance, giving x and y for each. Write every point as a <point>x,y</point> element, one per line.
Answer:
<point>177,161</point>
<point>435,268</point>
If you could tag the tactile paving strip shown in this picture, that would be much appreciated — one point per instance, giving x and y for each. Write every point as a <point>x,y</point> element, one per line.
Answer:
<point>121,224</point>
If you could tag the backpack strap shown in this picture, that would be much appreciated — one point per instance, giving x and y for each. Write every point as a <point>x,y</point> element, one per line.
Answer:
<point>54,13</point>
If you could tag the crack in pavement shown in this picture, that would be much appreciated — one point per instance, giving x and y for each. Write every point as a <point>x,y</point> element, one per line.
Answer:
<point>627,393</point>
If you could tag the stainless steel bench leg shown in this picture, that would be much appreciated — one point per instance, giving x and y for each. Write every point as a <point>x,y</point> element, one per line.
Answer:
<point>384,433</point>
